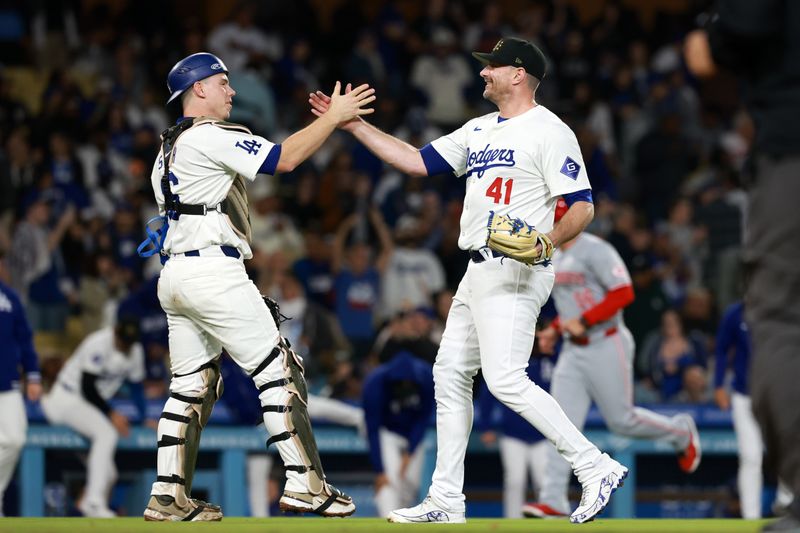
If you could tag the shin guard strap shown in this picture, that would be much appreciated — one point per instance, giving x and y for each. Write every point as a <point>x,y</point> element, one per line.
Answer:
<point>210,364</point>
<point>169,440</point>
<point>328,503</point>
<point>277,383</point>
<point>187,399</point>
<point>265,363</point>
<point>199,509</point>
<point>276,408</point>
<point>281,436</point>
<point>174,417</point>
<point>300,469</point>
<point>174,478</point>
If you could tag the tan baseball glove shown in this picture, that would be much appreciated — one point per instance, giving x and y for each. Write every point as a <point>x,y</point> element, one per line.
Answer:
<point>517,239</point>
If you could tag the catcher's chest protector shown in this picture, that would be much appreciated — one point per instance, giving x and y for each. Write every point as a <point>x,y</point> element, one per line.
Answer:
<point>235,206</point>
<point>238,210</point>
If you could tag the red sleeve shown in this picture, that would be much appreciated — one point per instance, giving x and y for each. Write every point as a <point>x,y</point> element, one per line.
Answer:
<point>615,300</point>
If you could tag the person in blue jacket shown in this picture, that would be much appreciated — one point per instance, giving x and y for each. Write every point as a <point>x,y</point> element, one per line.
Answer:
<point>398,404</point>
<point>16,350</point>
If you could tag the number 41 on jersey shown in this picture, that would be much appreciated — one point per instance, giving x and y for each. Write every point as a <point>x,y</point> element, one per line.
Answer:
<point>496,190</point>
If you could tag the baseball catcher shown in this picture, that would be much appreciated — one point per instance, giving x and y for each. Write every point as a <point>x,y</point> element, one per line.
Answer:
<point>199,181</point>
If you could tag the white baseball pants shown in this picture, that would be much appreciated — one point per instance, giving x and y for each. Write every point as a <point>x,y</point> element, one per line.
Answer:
<point>491,326</point>
<point>519,460</point>
<point>751,453</point>
<point>335,411</point>
<point>13,428</point>
<point>211,303</point>
<point>258,467</point>
<point>403,487</point>
<point>61,406</point>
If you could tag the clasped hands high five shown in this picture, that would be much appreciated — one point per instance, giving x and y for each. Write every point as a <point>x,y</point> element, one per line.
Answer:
<point>321,103</point>
<point>344,108</point>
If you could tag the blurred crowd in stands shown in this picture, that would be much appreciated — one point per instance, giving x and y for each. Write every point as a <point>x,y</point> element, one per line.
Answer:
<point>363,259</point>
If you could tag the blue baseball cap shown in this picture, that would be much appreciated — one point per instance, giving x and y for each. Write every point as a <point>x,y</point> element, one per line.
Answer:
<point>190,69</point>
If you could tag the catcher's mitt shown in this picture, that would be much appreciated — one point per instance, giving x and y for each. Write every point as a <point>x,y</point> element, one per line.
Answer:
<point>517,239</point>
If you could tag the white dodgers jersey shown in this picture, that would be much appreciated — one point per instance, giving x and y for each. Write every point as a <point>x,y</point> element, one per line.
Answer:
<point>205,160</point>
<point>517,166</point>
<point>97,355</point>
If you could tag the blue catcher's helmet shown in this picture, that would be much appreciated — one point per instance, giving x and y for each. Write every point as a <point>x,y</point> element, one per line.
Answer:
<point>190,69</point>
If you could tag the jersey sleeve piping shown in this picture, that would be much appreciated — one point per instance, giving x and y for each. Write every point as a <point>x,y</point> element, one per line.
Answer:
<point>270,164</point>
<point>434,162</point>
<point>584,195</point>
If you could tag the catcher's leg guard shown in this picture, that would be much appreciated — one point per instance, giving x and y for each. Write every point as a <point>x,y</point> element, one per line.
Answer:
<point>185,414</point>
<point>197,423</point>
<point>284,404</point>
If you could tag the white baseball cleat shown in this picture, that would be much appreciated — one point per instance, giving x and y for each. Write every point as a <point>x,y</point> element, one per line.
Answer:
<point>597,492</point>
<point>95,510</point>
<point>425,512</point>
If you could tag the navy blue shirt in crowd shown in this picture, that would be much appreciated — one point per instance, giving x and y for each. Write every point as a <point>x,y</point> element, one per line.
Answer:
<point>124,247</point>
<point>733,348</point>
<point>144,304</point>
<point>16,341</point>
<point>398,396</point>
<point>356,298</point>
<point>45,289</point>
<point>495,416</point>
<point>317,280</point>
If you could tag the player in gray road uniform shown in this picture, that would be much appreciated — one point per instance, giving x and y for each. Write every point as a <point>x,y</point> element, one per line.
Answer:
<point>592,287</point>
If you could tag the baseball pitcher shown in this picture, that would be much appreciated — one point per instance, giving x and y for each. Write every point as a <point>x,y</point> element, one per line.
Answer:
<point>516,162</point>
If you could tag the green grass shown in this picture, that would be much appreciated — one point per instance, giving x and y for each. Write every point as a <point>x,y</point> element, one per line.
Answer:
<point>368,525</point>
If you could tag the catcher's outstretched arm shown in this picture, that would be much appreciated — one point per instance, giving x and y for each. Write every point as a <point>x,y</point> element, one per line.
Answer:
<point>573,222</point>
<point>343,107</point>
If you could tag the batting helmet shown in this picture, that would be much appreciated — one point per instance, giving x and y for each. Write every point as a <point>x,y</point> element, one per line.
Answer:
<point>190,69</point>
<point>561,208</point>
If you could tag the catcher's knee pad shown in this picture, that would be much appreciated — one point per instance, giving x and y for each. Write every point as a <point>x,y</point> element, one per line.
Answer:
<point>185,415</point>
<point>284,402</point>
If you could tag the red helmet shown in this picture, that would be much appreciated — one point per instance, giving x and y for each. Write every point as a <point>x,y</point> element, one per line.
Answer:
<point>561,208</point>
